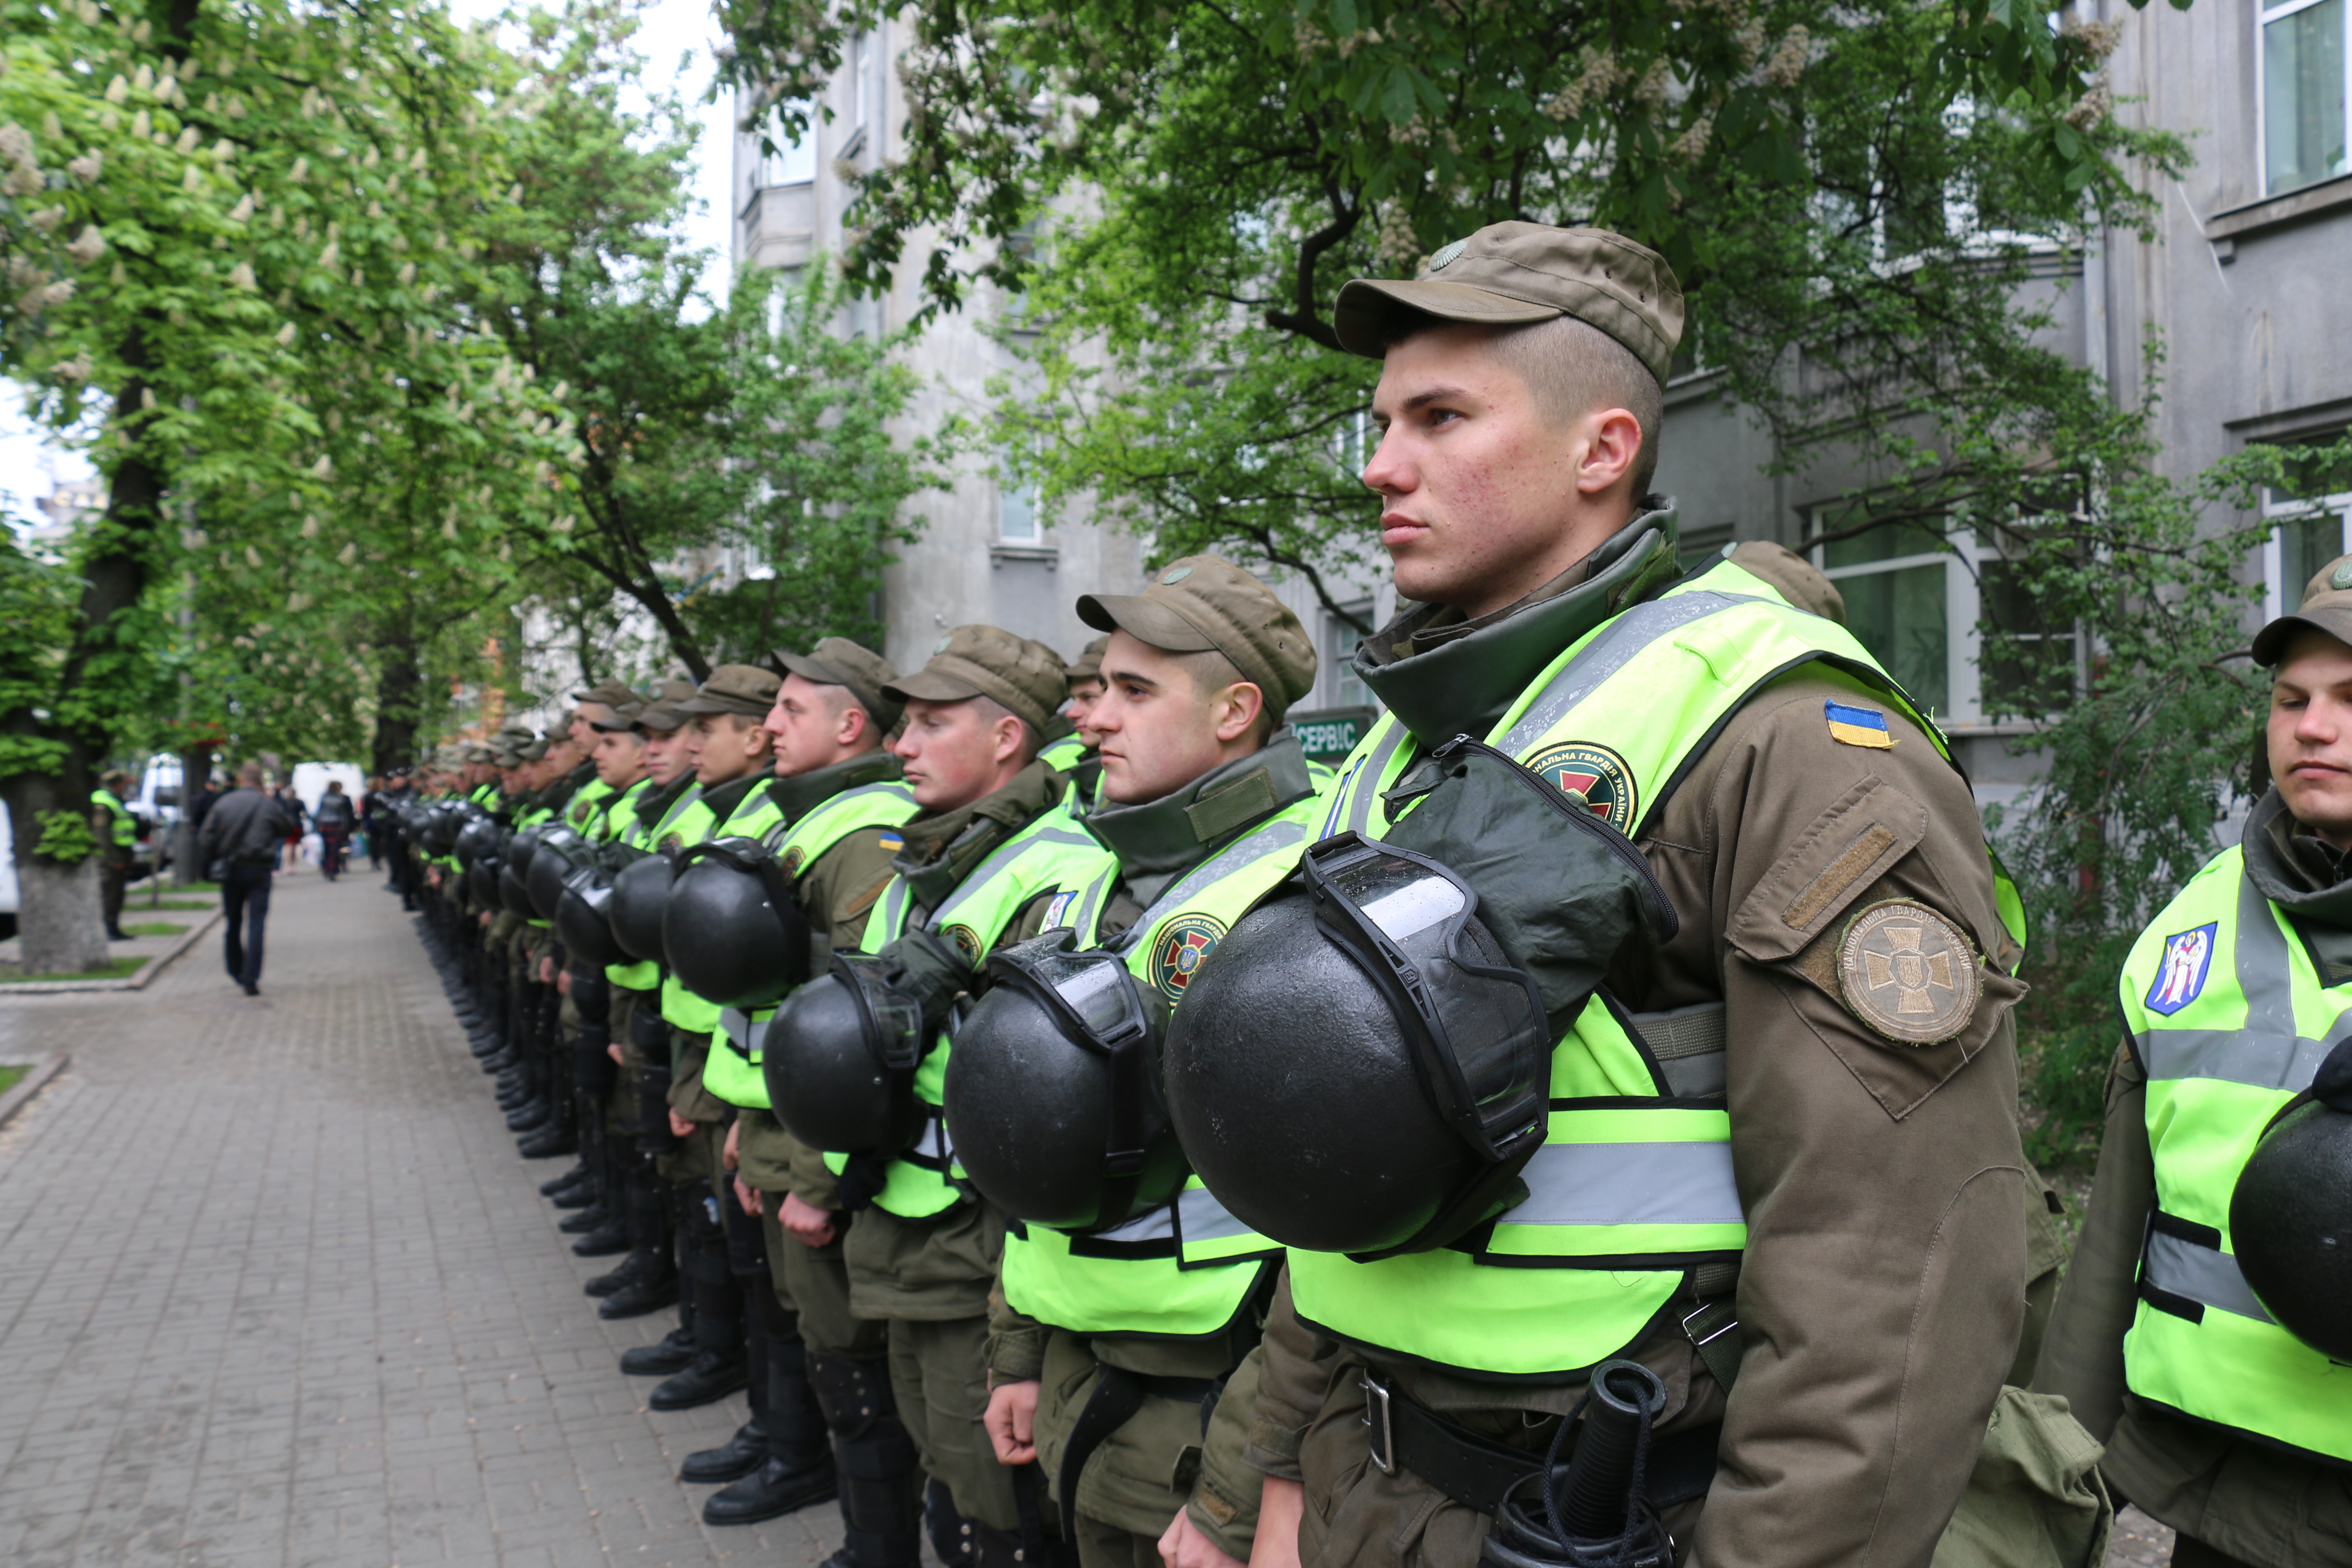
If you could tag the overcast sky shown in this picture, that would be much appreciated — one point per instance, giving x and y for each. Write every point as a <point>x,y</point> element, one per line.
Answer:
<point>30,463</point>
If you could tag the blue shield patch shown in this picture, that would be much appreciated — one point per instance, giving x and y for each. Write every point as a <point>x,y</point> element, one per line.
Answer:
<point>2180,978</point>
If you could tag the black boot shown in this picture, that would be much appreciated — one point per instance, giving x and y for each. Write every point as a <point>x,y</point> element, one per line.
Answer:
<point>593,1213</point>
<point>736,1458</point>
<point>880,1477</point>
<point>673,1353</point>
<point>651,1279</point>
<point>547,1141</point>
<point>954,1537</point>
<point>577,1180</point>
<point>798,1469</point>
<point>606,1240</point>
<point>720,1364</point>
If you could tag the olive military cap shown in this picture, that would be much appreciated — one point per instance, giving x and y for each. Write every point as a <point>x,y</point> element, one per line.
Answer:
<point>838,661</point>
<point>1027,678</point>
<point>535,752</point>
<point>1509,274</point>
<point>2327,607</point>
<point>1205,602</point>
<point>660,715</point>
<point>602,703</point>
<point>620,716</point>
<point>745,688</point>
<point>1088,666</point>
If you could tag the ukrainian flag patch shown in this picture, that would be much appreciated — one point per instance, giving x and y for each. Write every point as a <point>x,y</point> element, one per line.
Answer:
<point>1858,726</point>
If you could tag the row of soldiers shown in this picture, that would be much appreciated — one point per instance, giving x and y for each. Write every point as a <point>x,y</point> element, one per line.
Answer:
<point>1583,1130</point>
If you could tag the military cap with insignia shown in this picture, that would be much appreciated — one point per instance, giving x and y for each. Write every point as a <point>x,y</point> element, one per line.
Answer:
<point>1513,274</point>
<point>660,715</point>
<point>1205,602</point>
<point>2327,607</point>
<point>1027,678</point>
<point>838,661</point>
<point>745,688</point>
<point>1088,666</point>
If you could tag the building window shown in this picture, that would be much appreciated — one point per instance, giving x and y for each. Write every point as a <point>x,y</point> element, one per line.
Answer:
<point>1017,521</point>
<point>2310,525</point>
<point>791,163</point>
<point>1895,582</point>
<point>2304,66</point>
<point>1339,641</point>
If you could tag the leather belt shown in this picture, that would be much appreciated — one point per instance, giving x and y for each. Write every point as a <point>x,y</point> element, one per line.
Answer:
<point>1477,1472</point>
<point>1118,1394</point>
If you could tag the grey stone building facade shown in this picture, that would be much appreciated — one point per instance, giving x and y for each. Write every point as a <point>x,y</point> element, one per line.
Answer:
<point>2248,279</point>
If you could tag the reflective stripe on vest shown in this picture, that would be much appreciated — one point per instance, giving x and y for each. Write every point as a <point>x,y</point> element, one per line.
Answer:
<point>1633,1187</point>
<point>1175,1272</point>
<point>2231,1021</point>
<point>753,815</point>
<point>1049,851</point>
<point>733,1072</point>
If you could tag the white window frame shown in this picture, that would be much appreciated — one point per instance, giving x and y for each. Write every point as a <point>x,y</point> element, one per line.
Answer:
<point>2279,595</point>
<point>772,166</point>
<point>2264,16</point>
<point>1009,495</point>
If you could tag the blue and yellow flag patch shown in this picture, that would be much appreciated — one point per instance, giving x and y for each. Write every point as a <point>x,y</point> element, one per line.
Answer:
<point>1858,726</point>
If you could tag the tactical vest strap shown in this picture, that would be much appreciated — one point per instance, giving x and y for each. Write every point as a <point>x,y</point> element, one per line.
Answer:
<point>1689,1045</point>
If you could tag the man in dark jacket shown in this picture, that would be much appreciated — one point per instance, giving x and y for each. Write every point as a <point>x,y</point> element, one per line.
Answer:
<point>240,838</point>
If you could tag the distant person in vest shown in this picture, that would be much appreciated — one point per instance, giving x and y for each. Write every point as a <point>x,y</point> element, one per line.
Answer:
<point>238,848</point>
<point>118,843</point>
<point>2205,1325</point>
<point>1107,1348</point>
<point>1774,1159</point>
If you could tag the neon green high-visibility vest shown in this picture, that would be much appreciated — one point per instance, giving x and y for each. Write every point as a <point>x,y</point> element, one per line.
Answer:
<point>1064,754</point>
<point>1050,853</point>
<point>1633,1187</point>
<point>2231,1021</point>
<point>734,1073</point>
<point>587,803</point>
<point>753,815</point>
<point>124,831</point>
<point>1186,1270</point>
<point>645,973</point>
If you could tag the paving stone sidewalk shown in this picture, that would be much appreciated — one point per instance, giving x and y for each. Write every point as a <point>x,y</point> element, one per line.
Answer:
<point>276,1290</point>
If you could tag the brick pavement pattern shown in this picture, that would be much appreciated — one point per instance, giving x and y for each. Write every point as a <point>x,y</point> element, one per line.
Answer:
<point>275,1288</point>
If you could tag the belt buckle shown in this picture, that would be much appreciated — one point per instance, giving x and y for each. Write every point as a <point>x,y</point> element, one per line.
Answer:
<point>1381,1426</point>
<point>1729,1323</point>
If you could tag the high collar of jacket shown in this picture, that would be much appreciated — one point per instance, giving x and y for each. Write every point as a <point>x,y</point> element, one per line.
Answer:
<point>942,848</point>
<point>1444,674</point>
<point>722,799</point>
<point>2295,868</point>
<point>655,804</point>
<point>799,793</point>
<point>1158,840</point>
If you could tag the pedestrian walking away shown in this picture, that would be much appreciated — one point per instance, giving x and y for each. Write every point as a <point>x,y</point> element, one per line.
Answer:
<point>238,848</point>
<point>334,818</point>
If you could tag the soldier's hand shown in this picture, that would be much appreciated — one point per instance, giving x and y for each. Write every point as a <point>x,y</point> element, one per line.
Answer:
<point>726,1155</point>
<point>1011,1421</point>
<point>747,1197</point>
<point>1280,1506</point>
<point>563,984</point>
<point>613,1049</point>
<point>486,919</point>
<point>1181,1545</point>
<point>805,1222</point>
<point>680,1127</point>
<point>547,972</point>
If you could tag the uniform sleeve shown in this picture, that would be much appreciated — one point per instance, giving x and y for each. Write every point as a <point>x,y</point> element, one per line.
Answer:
<point>1224,1502</point>
<point>1290,1389</point>
<point>2082,1352</point>
<point>1016,1341</point>
<point>1872,1083</point>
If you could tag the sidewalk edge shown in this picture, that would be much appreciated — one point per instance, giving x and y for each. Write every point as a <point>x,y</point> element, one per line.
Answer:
<point>32,1083</point>
<point>135,981</point>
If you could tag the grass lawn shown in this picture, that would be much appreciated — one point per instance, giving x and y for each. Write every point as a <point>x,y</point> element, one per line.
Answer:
<point>113,969</point>
<point>139,906</point>
<point>8,1077</point>
<point>152,928</point>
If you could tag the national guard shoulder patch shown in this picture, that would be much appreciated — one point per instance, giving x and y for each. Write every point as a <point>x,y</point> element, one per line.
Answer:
<point>1908,974</point>
<point>793,858</point>
<point>1851,726</point>
<point>967,941</point>
<point>1178,950</point>
<point>671,843</point>
<point>1593,775</point>
<point>2180,977</point>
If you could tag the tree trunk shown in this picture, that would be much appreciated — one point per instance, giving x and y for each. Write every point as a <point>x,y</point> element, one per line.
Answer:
<point>61,929</point>
<point>195,767</point>
<point>397,683</point>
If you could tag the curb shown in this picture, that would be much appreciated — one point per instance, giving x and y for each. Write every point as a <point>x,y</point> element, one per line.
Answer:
<point>32,1083</point>
<point>136,981</point>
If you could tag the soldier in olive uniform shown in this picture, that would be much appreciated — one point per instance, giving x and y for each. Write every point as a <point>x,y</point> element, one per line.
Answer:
<point>1848,1213</point>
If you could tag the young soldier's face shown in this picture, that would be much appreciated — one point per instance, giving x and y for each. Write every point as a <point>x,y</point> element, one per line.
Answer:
<point>1159,731</point>
<point>724,746</point>
<point>620,757</point>
<point>1084,695</point>
<point>2310,734</point>
<point>811,724</point>
<point>1478,487</point>
<point>666,758</point>
<point>952,752</point>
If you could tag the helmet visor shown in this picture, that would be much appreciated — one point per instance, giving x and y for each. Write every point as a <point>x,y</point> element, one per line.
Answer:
<point>892,1019</point>
<point>1477,1023</point>
<point>1092,991</point>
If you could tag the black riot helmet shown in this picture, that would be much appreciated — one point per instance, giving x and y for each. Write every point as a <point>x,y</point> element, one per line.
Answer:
<point>732,929</point>
<point>2291,1213</point>
<point>514,861</point>
<point>840,1058</point>
<point>479,837</point>
<point>1372,998</point>
<point>640,889</point>
<point>1363,1065</point>
<point>443,820</point>
<point>482,881</point>
<point>1053,1090</point>
<point>560,853</point>
<point>581,918</point>
<point>520,847</point>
